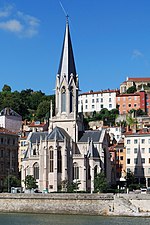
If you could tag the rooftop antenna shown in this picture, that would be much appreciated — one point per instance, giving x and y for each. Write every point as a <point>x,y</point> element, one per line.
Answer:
<point>66,15</point>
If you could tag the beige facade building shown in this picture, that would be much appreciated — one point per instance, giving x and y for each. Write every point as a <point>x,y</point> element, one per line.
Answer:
<point>67,153</point>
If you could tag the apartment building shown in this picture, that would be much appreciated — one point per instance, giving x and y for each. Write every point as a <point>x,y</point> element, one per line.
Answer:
<point>126,102</point>
<point>95,101</point>
<point>8,155</point>
<point>138,155</point>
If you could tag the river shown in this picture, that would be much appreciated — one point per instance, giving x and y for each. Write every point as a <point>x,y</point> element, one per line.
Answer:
<point>51,219</point>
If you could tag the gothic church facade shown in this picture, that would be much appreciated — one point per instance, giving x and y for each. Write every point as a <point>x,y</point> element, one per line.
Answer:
<point>66,153</point>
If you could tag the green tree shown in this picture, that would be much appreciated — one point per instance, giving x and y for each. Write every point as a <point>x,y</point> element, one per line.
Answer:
<point>131,89</point>
<point>140,112</point>
<point>43,109</point>
<point>70,187</point>
<point>30,182</point>
<point>6,88</point>
<point>100,182</point>
<point>11,181</point>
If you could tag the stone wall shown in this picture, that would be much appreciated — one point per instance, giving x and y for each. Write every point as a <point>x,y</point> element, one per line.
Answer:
<point>90,204</point>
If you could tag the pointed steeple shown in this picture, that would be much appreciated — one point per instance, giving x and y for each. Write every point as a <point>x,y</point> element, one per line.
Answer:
<point>67,63</point>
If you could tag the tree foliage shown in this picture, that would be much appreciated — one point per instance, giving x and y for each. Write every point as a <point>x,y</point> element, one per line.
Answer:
<point>11,181</point>
<point>131,89</point>
<point>108,117</point>
<point>30,182</point>
<point>100,182</point>
<point>26,103</point>
<point>6,88</point>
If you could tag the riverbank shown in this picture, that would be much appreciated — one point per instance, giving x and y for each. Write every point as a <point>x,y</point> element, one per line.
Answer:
<point>83,204</point>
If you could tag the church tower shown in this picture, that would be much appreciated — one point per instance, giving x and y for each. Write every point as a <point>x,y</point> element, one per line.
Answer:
<point>66,92</point>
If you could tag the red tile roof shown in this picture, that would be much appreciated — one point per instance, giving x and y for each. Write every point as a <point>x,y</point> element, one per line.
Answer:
<point>5,131</point>
<point>33,124</point>
<point>99,92</point>
<point>139,79</point>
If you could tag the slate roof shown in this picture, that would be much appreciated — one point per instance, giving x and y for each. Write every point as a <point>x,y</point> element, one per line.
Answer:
<point>67,64</point>
<point>91,135</point>
<point>8,112</point>
<point>59,134</point>
<point>35,136</point>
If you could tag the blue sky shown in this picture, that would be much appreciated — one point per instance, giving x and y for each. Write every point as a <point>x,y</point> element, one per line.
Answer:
<point>111,40</point>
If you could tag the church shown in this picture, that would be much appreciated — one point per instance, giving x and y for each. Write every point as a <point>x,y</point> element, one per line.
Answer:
<point>66,153</point>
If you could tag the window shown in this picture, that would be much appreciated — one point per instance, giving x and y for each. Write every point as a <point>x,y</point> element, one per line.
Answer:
<point>59,160</point>
<point>36,170</point>
<point>92,106</point>
<point>110,105</point>
<point>75,171</point>
<point>134,105</point>
<point>97,100</point>
<point>149,150</point>
<point>128,150</point>
<point>135,150</point>
<point>143,160</point>
<point>121,157</point>
<point>142,141</point>
<point>135,141</point>
<point>121,150</point>
<point>128,141</point>
<point>129,105</point>
<point>63,99</point>
<point>86,106</point>
<point>148,141</point>
<point>92,100</point>
<point>101,99</point>
<point>2,153</point>
<point>2,140</point>
<point>143,150</point>
<point>86,101</point>
<point>101,106</point>
<point>135,161</point>
<point>148,170</point>
<point>51,160</point>
<point>128,161</point>
<point>128,170</point>
<point>149,160</point>
<point>109,99</point>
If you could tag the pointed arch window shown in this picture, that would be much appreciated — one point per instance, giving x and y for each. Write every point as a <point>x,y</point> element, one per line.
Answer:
<point>75,171</point>
<point>71,99</point>
<point>59,160</point>
<point>63,99</point>
<point>51,160</point>
<point>36,170</point>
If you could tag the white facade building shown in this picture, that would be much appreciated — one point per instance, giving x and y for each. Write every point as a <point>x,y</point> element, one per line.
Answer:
<point>95,101</point>
<point>138,155</point>
<point>67,153</point>
<point>10,120</point>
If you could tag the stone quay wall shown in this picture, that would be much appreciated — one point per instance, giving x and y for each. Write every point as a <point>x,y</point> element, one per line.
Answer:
<point>86,204</point>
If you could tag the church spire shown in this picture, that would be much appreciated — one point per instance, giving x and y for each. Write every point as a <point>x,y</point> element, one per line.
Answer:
<point>67,63</point>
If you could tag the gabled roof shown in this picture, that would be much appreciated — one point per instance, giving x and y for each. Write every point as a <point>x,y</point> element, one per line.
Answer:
<point>67,64</point>
<point>58,134</point>
<point>8,112</point>
<point>91,135</point>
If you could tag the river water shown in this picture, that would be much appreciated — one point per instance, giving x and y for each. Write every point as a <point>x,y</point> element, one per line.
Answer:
<point>51,219</point>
